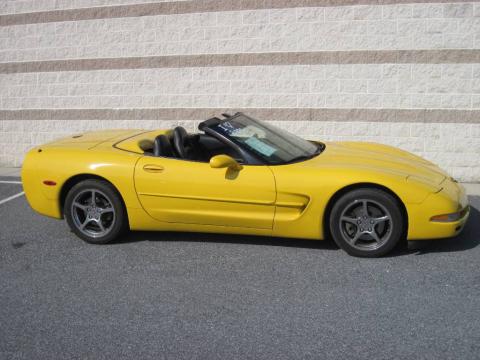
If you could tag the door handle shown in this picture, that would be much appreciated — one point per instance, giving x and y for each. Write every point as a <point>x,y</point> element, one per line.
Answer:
<point>153,168</point>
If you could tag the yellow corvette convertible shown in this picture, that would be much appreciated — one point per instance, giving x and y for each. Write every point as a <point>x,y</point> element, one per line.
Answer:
<point>239,175</point>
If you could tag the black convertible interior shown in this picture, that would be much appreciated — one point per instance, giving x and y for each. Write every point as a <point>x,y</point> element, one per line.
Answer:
<point>196,147</point>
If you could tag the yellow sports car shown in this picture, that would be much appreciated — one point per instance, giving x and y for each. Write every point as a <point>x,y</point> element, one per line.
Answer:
<point>239,175</point>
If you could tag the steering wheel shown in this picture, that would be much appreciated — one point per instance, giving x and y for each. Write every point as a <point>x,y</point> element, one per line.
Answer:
<point>182,143</point>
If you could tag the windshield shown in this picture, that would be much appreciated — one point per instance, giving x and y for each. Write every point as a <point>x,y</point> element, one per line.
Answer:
<point>271,144</point>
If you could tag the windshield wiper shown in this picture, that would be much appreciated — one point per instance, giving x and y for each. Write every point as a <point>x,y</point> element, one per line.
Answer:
<point>320,148</point>
<point>301,158</point>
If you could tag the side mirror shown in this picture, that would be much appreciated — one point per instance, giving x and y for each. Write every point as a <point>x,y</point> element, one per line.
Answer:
<point>225,161</point>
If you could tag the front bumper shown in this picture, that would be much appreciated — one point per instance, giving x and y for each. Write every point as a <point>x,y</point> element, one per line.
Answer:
<point>450,199</point>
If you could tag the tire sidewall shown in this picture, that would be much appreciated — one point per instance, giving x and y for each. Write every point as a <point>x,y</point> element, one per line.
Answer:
<point>120,223</point>
<point>380,196</point>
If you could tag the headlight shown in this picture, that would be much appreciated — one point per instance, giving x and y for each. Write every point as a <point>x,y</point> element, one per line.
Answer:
<point>429,186</point>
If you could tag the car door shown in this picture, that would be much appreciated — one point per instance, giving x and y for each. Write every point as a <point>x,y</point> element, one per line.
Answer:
<point>191,192</point>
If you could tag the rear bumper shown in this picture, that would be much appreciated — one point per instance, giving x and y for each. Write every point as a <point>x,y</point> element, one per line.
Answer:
<point>35,191</point>
<point>452,198</point>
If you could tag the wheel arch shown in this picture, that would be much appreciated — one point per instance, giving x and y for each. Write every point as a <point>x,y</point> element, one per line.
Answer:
<point>364,185</point>
<point>72,181</point>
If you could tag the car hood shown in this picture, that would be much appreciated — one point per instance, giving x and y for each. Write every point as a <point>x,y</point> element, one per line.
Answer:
<point>379,158</point>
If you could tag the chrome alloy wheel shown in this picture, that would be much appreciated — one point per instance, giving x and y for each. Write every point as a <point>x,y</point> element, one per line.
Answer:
<point>93,213</point>
<point>366,224</point>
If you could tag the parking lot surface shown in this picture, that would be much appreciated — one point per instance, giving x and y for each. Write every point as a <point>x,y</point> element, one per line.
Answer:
<point>183,296</point>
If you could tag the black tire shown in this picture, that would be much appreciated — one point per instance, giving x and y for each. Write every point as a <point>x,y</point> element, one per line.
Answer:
<point>111,215</point>
<point>352,230</point>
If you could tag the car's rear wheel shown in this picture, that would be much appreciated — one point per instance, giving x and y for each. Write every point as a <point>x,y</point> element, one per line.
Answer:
<point>367,222</point>
<point>95,212</point>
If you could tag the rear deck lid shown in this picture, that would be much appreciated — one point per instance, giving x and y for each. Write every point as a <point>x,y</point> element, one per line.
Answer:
<point>93,138</point>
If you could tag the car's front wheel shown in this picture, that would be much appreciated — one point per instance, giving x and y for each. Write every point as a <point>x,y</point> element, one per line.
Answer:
<point>367,222</point>
<point>94,211</point>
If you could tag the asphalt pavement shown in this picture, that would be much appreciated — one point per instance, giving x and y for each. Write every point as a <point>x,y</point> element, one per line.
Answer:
<point>201,296</point>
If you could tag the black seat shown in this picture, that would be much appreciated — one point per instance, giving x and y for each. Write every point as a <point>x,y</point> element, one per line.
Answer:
<point>162,146</point>
<point>183,144</point>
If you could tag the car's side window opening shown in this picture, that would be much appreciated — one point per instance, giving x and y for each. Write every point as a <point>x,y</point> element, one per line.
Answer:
<point>211,146</point>
<point>193,147</point>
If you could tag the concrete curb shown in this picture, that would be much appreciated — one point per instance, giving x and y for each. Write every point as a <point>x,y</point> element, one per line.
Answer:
<point>9,171</point>
<point>472,189</point>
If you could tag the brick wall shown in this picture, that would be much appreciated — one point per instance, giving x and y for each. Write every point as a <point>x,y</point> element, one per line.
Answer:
<point>23,6</point>
<point>406,75</point>
<point>410,26</point>
<point>417,86</point>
